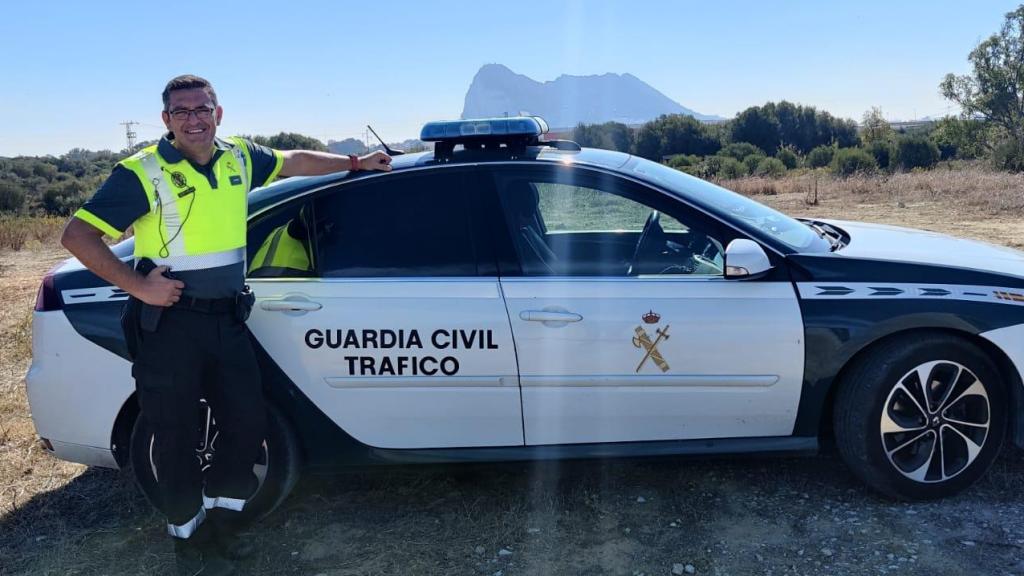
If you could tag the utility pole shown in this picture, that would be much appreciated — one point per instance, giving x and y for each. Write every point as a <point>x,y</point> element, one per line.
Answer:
<point>130,134</point>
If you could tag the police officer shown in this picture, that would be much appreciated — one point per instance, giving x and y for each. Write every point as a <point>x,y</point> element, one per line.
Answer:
<point>186,199</point>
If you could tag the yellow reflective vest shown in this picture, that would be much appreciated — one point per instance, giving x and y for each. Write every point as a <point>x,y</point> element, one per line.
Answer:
<point>191,225</point>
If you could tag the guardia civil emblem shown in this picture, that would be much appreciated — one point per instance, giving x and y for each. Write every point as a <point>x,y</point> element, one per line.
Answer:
<point>650,346</point>
<point>178,179</point>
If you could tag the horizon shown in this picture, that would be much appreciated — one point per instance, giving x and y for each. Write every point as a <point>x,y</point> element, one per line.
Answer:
<point>327,77</point>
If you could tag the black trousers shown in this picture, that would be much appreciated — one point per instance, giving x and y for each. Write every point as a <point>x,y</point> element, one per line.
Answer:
<point>195,355</point>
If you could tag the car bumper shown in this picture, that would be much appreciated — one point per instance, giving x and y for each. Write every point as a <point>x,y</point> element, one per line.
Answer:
<point>75,390</point>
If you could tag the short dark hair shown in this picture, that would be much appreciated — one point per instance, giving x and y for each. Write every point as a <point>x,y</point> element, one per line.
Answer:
<point>187,82</point>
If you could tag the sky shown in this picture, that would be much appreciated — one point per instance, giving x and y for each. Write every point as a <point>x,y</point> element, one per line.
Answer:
<point>72,71</point>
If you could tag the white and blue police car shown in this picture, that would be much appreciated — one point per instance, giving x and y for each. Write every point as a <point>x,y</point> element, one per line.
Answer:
<point>507,298</point>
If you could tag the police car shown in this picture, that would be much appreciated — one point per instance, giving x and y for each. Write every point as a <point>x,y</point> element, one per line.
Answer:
<point>508,298</point>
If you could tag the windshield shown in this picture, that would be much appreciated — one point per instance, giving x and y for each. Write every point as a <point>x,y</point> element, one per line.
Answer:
<point>733,207</point>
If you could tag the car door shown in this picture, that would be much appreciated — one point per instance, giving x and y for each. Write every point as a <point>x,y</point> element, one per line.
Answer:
<point>389,324</point>
<point>618,344</point>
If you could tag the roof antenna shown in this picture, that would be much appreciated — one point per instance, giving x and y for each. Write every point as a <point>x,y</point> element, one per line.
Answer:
<point>390,151</point>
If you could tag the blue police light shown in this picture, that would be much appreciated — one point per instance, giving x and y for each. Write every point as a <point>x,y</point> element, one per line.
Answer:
<point>528,127</point>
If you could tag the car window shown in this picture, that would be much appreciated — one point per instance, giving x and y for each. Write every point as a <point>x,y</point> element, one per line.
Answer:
<point>279,244</point>
<point>566,224</point>
<point>399,225</point>
<point>737,208</point>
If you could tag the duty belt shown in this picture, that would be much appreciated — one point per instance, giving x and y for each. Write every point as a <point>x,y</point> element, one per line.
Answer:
<point>206,305</point>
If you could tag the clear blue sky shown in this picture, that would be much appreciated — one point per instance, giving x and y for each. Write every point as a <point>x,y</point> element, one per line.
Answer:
<point>73,70</point>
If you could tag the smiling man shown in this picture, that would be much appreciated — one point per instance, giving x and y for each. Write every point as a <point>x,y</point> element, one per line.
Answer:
<point>185,323</point>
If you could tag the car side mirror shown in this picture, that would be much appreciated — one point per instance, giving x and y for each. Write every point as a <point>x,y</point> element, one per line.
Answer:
<point>745,259</point>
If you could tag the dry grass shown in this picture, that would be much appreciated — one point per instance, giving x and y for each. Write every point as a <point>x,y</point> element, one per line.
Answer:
<point>17,232</point>
<point>971,186</point>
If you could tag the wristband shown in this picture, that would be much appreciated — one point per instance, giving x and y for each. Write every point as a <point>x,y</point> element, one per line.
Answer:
<point>354,162</point>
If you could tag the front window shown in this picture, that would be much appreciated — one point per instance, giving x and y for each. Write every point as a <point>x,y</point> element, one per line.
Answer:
<point>568,223</point>
<point>733,207</point>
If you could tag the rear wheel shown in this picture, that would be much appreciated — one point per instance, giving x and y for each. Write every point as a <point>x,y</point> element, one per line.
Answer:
<point>277,469</point>
<point>921,417</point>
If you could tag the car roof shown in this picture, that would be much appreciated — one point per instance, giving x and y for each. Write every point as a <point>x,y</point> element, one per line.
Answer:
<point>607,159</point>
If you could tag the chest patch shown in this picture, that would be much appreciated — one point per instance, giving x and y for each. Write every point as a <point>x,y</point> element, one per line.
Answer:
<point>178,179</point>
<point>236,180</point>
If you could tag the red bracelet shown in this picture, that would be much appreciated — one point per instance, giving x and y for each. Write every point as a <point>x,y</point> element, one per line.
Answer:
<point>354,162</point>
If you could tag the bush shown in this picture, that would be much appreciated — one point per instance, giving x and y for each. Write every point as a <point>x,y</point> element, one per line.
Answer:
<point>1009,156</point>
<point>850,161</point>
<point>915,152</point>
<point>820,156</point>
<point>740,150</point>
<point>731,168</point>
<point>681,161</point>
<point>882,152</point>
<point>788,158</point>
<point>752,161</point>
<point>12,197</point>
<point>771,167</point>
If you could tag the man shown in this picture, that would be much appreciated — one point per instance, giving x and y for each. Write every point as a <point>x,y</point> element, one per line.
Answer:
<point>186,198</point>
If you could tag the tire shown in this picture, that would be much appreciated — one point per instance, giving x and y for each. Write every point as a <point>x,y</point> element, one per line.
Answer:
<point>277,469</point>
<point>915,444</point>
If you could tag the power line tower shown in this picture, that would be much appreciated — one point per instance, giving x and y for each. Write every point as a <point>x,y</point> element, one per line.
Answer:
<point>130,134</point>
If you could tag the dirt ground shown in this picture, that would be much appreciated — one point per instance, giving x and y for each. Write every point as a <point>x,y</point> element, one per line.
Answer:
<point>650,517</point>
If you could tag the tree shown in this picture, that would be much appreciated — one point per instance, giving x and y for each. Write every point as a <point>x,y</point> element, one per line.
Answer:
<point>291,141</point>
<point>961,138</point>
<point>994,90</point>
<point>874,127</point>
<point>609,136</point>
<point>674,134</point>
<point>758,126</point>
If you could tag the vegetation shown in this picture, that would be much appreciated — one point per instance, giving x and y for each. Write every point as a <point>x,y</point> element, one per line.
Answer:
<point>994,91</point>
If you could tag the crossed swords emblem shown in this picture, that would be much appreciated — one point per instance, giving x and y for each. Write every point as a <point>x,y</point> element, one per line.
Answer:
<point>642,340</point>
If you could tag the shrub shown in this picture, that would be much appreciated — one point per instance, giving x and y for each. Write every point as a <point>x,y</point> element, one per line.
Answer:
<point>788,158</point>
<point>915,152</point>
<point>731,168</point>
<point>12,197</point>
<point>1009,156</point>
<point>771,167</point>
<point>820,156</point>
<point>681,161</point>
<point>752,161</point>
<point>739,150</point>
<point>850,161</point>
<point>882,151</point>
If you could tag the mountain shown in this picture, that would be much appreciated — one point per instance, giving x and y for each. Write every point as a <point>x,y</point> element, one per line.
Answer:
<point>568,100</point>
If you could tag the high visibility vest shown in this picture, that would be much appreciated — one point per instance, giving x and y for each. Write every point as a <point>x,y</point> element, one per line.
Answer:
<point>281,254</point>
<point>191,225</point>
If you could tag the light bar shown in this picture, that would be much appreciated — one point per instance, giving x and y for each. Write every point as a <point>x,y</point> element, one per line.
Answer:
<point>483,129</point>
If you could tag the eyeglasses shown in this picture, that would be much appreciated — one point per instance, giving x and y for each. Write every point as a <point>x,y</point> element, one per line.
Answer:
<point>182,114</point>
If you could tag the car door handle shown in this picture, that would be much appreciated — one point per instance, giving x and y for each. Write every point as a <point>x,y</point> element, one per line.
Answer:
<point>290,305</point>
<point>549,316</point>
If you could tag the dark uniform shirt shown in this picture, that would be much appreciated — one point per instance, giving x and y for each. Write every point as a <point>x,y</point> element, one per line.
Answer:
<point>121,200</point>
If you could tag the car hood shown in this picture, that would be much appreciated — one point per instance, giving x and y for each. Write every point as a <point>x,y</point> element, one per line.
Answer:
<point>882,242</point>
